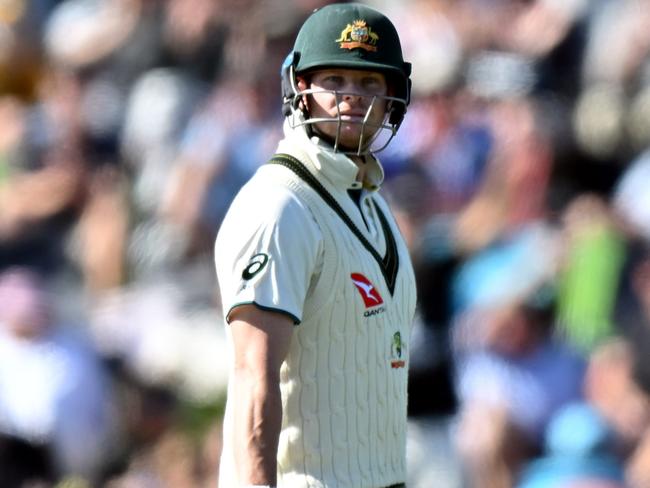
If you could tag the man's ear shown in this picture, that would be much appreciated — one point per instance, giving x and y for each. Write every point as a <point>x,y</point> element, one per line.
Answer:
<point>302,84</point>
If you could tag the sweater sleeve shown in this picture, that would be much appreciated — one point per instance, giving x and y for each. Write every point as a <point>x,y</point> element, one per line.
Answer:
<point>267,251</point>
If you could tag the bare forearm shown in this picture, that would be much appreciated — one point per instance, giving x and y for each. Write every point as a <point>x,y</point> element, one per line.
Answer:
<point>258,421</point>
<point>261,341</point>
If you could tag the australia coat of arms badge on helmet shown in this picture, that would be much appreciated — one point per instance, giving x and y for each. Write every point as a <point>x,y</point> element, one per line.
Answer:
<point>358,35</point>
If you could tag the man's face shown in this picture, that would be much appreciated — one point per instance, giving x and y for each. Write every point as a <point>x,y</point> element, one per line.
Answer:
<point>351,95</point>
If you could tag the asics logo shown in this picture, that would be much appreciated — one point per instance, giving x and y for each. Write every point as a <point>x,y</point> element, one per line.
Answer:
<point>368,292</point>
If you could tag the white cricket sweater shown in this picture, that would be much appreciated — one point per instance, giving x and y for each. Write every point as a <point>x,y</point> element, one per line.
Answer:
<point>344,381</point>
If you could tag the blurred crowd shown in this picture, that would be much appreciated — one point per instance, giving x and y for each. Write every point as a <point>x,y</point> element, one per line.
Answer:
<point>520,177</point>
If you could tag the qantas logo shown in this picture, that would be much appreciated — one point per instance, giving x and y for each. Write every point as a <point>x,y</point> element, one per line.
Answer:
<point>370,295</point>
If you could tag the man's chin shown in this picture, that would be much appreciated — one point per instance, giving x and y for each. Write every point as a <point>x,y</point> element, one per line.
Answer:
<point>351,138</point>
<point>348,138</point>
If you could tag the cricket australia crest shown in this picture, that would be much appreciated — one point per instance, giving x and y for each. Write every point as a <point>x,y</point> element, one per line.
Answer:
<point>397,350</point>
<point>358,35</point>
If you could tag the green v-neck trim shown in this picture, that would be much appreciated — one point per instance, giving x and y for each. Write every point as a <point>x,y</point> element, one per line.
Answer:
<point>389,263</point>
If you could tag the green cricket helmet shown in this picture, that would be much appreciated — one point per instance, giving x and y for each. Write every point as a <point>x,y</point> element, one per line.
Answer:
<point>352,36</point>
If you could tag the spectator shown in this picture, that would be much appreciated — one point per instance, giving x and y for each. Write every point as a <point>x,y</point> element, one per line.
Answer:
<point>611,387</point>
<point>42,186</point>
<point>512,374</point>
<point>55,396</point>
<point>593,256</point>
<point>580,451</point>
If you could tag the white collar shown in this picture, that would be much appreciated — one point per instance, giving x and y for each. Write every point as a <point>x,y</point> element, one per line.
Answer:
<point>322,159</point>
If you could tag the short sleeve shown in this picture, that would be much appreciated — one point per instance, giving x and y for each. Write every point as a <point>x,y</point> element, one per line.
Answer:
<point>267,251</point>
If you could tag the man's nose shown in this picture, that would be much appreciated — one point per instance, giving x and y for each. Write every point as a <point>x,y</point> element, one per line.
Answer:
<point>352,94</point>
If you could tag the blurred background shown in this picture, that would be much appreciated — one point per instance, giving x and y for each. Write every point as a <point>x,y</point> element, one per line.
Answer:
<point>520,178</point>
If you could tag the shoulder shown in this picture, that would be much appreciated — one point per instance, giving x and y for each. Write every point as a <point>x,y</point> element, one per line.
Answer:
<point>266,209</point>
<point>266,196</point>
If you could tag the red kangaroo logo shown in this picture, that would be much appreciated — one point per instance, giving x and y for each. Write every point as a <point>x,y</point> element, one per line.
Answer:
<point>370,295</point>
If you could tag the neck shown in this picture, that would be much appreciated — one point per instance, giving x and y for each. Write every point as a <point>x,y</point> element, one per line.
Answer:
<point>350,152</point>
<point>359,161</point>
